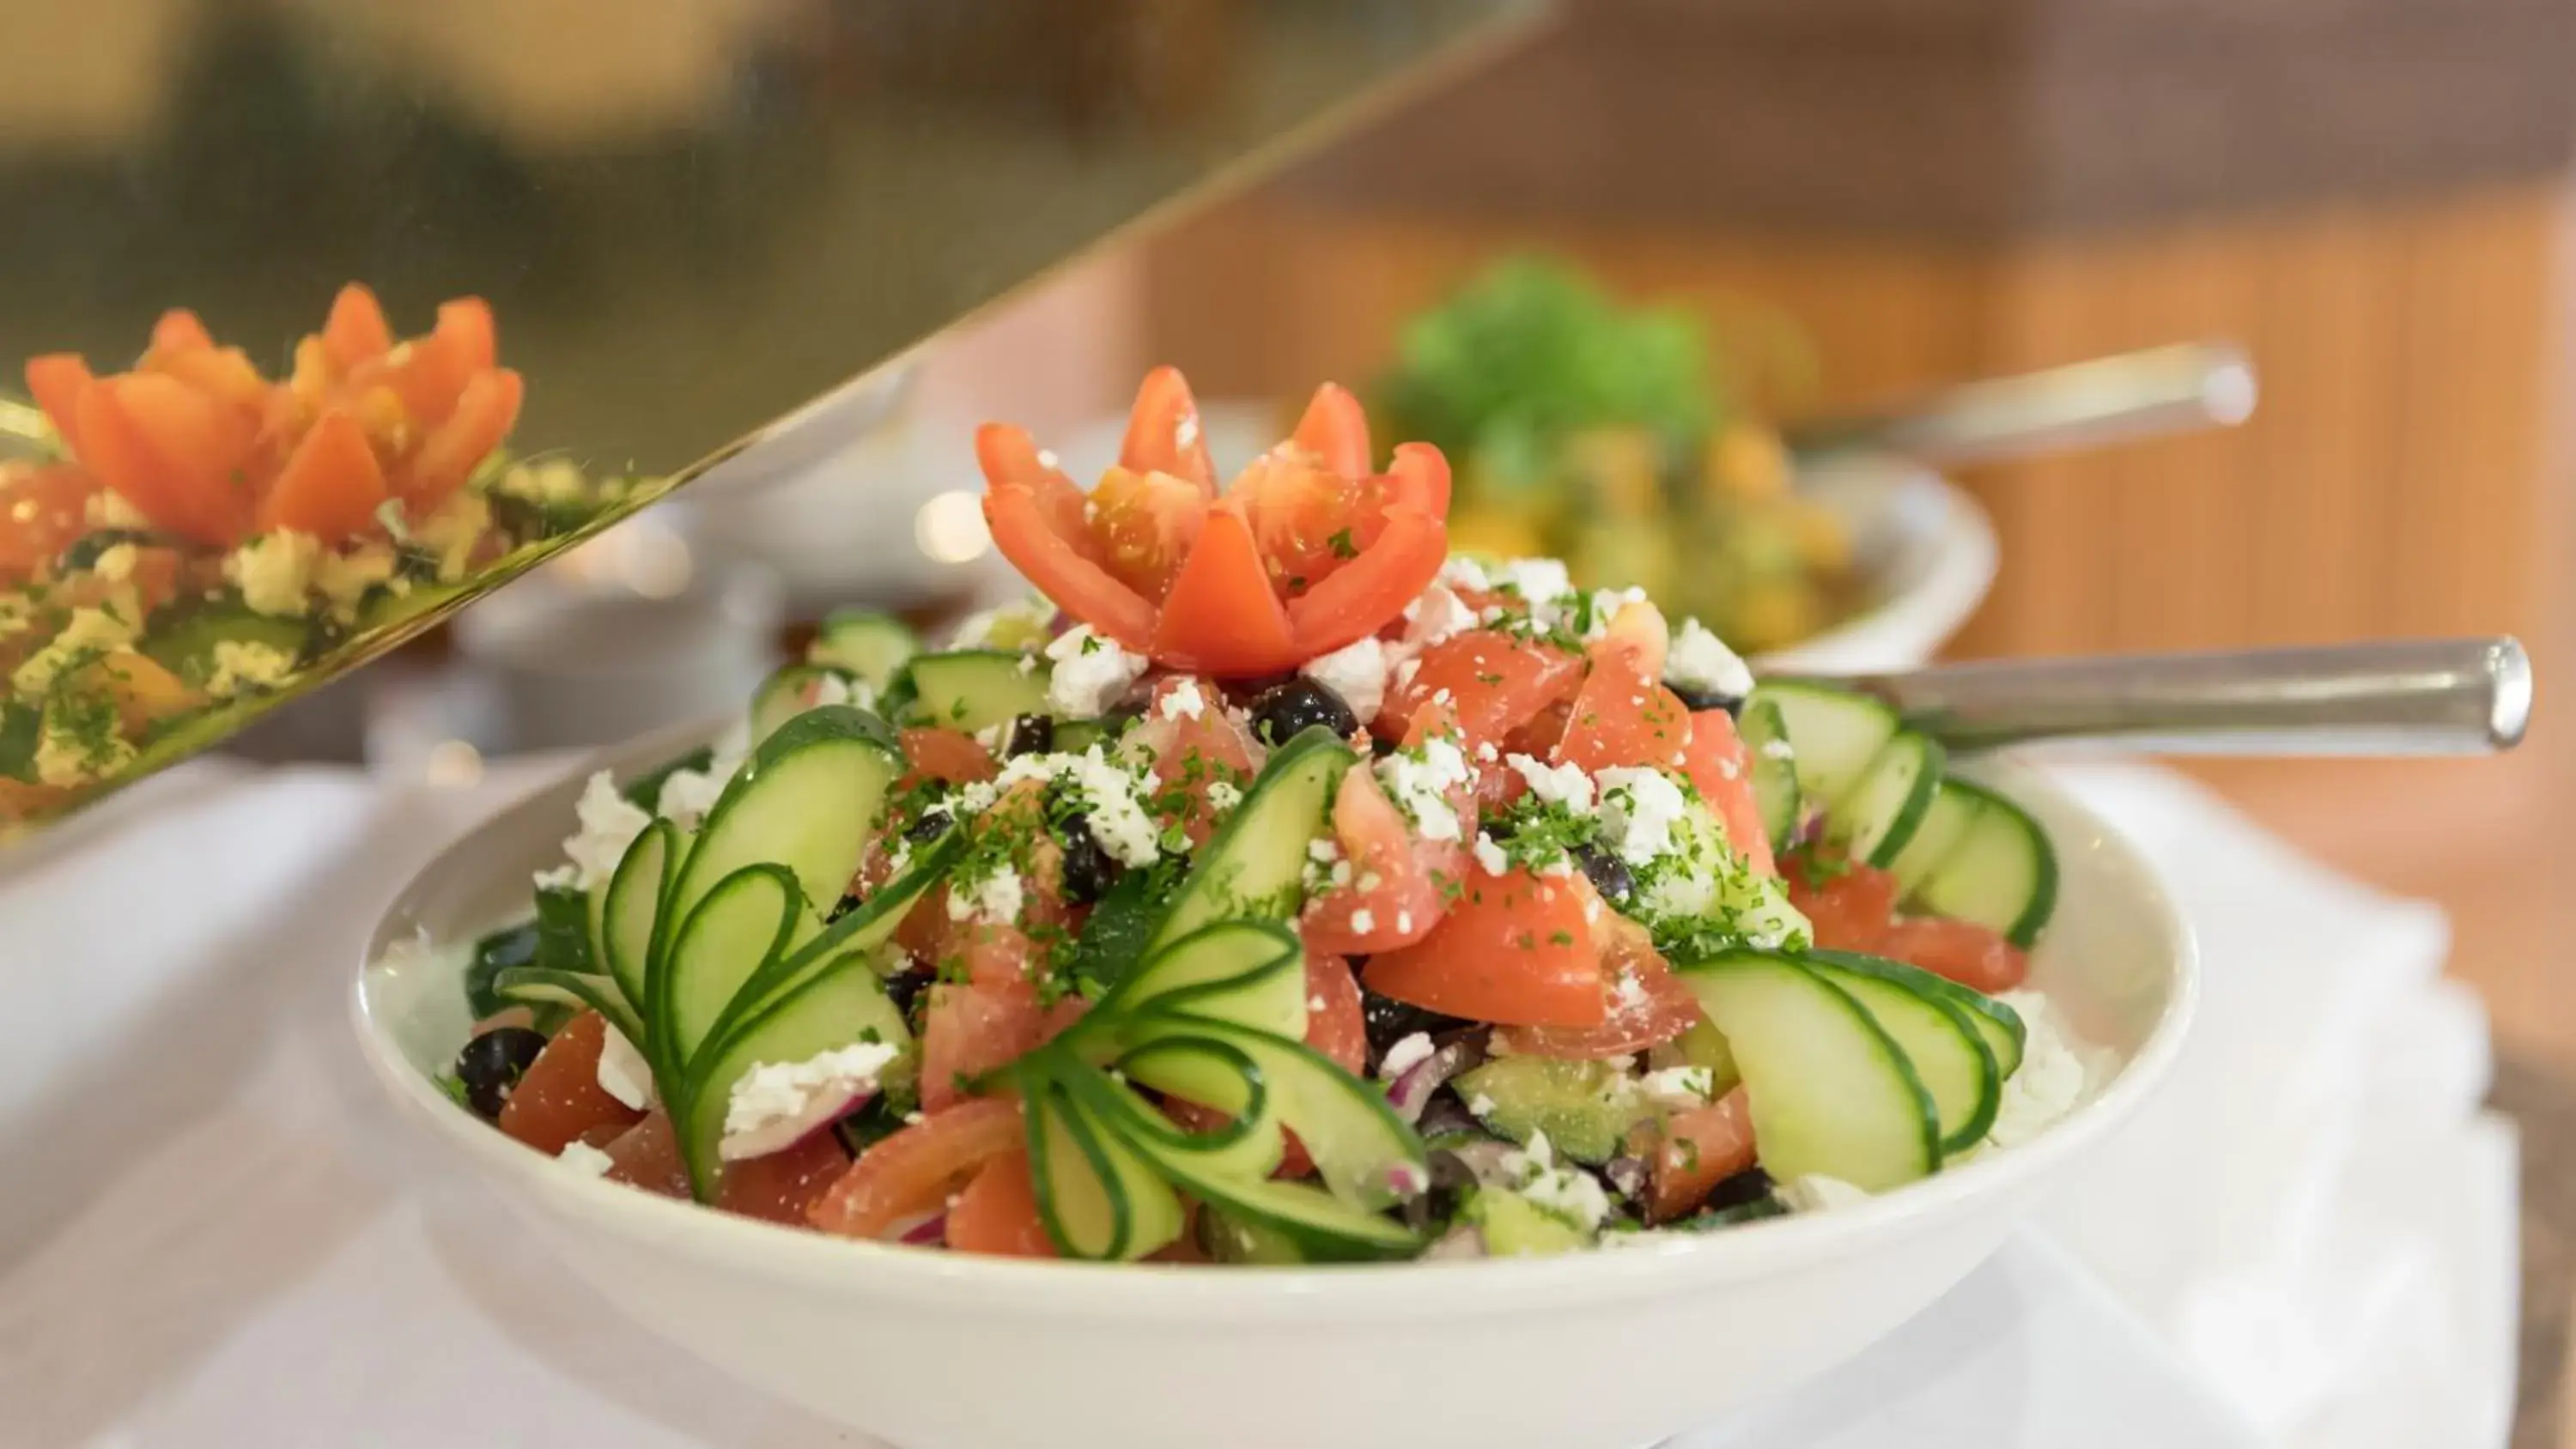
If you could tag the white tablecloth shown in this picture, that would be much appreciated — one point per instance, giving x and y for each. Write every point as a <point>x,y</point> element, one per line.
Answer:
<point>212,1234</point>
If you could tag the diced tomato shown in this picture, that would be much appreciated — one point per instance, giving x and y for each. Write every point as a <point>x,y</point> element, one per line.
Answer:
<point>331,487</point>
<point>909,1175</point>
<point>559,1098</point>
<point>998,1212</point>
<point>56,381</point>
<point>1192,753</point>
<point>647,1155</point>
<point>783,1186</point>
<point>1307,552</point>
<point>970,1028</point>
<point>1646,1006</point>
<point>170,451</point>
<point>1495,683</point>
<point>1334,1025</point>
<point>486,408</point>
<point>1394,896</point>
<point>940,753</point>
<point>1964,951</point>
<point>1513,949</point>
<point>1721,769</point>
<point>1849,906</point>
<point>1624,715</point>
<point>1689,1153</point>
<point>179,331</point>
<point>43,510</point>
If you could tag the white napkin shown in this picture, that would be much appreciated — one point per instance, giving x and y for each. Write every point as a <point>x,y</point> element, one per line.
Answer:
<point>228,1242</point>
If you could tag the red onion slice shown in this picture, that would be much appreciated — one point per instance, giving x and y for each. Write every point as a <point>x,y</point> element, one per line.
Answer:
<point>822,1110</point>
<point>1411,1090</point>
<point>930,1232</point>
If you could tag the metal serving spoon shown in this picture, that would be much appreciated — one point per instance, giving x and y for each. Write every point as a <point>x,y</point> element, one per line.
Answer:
<point>2405,697</point>
<point>2125,396</point>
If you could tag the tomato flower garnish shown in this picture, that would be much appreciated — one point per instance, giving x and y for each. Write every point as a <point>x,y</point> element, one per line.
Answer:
<point>205,447</point>
<point>1305,552</point>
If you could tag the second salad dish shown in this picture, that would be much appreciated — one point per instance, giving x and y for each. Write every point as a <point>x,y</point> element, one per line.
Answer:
<point>1278,886</point>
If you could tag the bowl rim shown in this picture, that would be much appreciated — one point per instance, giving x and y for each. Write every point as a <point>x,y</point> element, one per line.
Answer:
<point>1414,1288</point>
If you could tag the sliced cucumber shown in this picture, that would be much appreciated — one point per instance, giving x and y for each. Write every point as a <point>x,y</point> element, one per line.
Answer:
<point>1256,862</point>
<point>1314,1223</point>
<point>1367,1156</point>
<point>749,918</point>
<point>1948,1051</point>
<point>186,644</point>
<point>863,930</point>
<point>1831,1092</point>
<point>809,798</point>
<point>1584,1107</point>
<point>1232,1240</point>
<point>540,986</point>
<point>863,643</point>
<point>1248,973</point>
<point>967,689</point>
<point>1837,734</point>
<point>1515,1227</point>
<point>838,1004</point>
<point>1944,824</point>
<point>1097,1194</point>
<point>1775,770</point>
<point>2001,873</point>
<point>781,697</point>
<point>1881,813</point>
<point>630,903</point>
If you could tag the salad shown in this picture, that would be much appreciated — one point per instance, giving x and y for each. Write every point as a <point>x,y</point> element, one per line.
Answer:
<point>198,535</point>
<point>1276,887</point>
<point>1616,438</point>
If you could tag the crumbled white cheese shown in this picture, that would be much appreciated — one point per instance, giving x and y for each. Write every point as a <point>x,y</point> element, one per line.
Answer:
<point>1434,616</point>
<point>1111,807</point>
<point>1639,807</point>
<point>1462,572</point>
<point>244,664</point>
<point>1564,785</point>
<point>2051,1080</point>
<point>67,757</point>
<point>834,687</point>
<point>1407,1053</point>
<point>554,480</point>
<point>1606,604</point>
<point>623,1073</point>
<point>1183,700</point>
<point>1815,1192</point>
<point>1223,795</point>
<point>687,795</point>
<point>1490,855</point>
<point>1363,920</point>
<point>585,1159</point>
<point>996,897</point>
<point>107,508</point>
<point>1357,672</point>
<point>609,823</point>
<point>1681,1088</point>
<point>775,1092</point>
<point>1090,673</point>
<point>344,578</point>
<point>1538,581</point>
<point>1419,779</point>
<point>454,530</point>
<point>87,632</point>
<point>1569,1192</point>
<point>116,562</point>
<point>275,571</point>
<point>1699,660</point>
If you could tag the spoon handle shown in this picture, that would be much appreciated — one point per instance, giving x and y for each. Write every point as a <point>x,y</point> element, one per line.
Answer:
<point>2085,404</point>
<point>2410,697</point>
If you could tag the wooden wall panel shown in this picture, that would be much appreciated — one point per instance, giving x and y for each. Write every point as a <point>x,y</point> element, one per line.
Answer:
<point>2389,483</point>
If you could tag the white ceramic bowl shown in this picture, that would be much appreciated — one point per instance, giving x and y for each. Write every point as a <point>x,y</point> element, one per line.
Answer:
<point>1609,1350</point>
<point>1924,550</point>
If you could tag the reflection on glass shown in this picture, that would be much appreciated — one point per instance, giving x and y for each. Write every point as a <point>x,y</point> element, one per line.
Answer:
<point>694,215</point>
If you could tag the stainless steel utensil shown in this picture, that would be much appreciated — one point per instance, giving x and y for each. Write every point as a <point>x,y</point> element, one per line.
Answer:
<point>2408,697</point>
<point>2085,404</point>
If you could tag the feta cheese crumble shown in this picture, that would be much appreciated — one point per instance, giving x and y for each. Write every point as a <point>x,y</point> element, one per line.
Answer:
<point>622,1072</point>
<point>1357,672</point>
<point>1699,660</point>
<point>585,1159</point>
<point>1408,1053</point>
<point>1564,785</point>
<point>247,664</point>
<point>1091,673</point>
<point>87,632</point>
<point>1639,807</point>
<point>1182,700</point>
<point>275,571</point>
<point>1679,1087</point>
<point>996,897</point>
<point>775,1092</point>
<point>2052,1080</point>
<point>1418,781</point>
<point>1570,1193</point>
<point>1490,855</point>
<point>609,823</point>
<point>1014,625</point>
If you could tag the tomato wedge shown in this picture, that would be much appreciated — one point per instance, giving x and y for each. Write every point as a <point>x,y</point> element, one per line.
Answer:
<point>1624,715</point>
<point>998,1212</point>
<point>910,1174</point>
<point>1393,896</point>
<point>1306,552</point>
<point>936,752</point>
<point>1495,684</point>
<point>1646,1004</point>
<point>1964,951</point>
<point>43,510</point>
<point>356,331</point>
<point>56,381</point>
<point>559,1097</point>
<point>1514,949</point>
<point>1721,769</point>
<point>970,1028</point>
<point>1689,1153</point>
<point>331,487</point>
<point>1334,1023</point>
